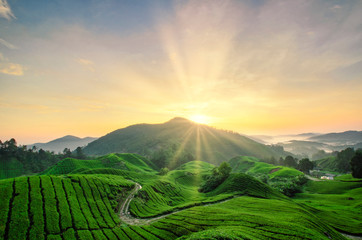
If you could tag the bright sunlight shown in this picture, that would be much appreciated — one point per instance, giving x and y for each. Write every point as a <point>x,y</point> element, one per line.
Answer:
<point>200,119</point>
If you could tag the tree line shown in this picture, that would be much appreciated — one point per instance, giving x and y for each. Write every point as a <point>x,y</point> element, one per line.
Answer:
<point>32,160</point>
<point>347,160</point>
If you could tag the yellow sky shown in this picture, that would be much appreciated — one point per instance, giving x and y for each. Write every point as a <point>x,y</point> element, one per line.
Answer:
<point>274,67</point>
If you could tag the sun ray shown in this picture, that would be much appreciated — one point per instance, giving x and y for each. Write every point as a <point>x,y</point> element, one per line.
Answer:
<point>178,152</point>
<point>205,143</point>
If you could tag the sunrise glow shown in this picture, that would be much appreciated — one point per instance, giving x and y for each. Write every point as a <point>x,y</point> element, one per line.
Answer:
<point>255,67</point>
<point>200,119</point>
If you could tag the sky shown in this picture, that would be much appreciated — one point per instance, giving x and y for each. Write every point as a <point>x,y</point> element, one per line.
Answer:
<point>88,67</point>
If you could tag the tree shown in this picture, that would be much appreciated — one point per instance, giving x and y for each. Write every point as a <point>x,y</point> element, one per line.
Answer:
<point>356,164</point>
<point>290,162</point>
<point>79,153</point>
<point>305,165</point>
<point>217,177</point>
<point>344,158</point>
<point>224,170</point>
<point>163,171</point>
<point>67,152</point>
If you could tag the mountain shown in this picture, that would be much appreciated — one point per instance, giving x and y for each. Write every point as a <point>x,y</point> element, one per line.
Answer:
<point>282,138</point>
<point>178,141</point>
<point>305,148</point>
<point>59,144</point>
<point>342,138</point>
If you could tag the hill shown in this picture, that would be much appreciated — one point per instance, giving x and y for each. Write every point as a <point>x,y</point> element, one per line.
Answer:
<point>304,148</point>
<point>178,141</point>
<point>125,161</point>
<point>86,206</point>
<point>342,138</point>
<point>58,145</point>
<point>253,166</point>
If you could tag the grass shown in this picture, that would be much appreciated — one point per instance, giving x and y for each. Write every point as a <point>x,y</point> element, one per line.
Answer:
<point>84,206</point>
<point>115,161</point>
<point>338,203</point>
<point>10,168</point>
<point>40,207</point>
<point>253,166</point>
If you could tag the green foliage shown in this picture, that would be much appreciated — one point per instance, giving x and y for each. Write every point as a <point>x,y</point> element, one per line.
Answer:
<point>356,164</point>
<point>178,141</point>
<point>288,186</point>
<point>343,160</point>
<point>124,161</point>
<point>79,153</point>
<point>18,160</point>
<point>253,166</point>
<point>305,165</point>
<point>242,218</point>
<point>40,207</point>
<point>217,177</point>
<point>336,202</point>
<point>84,206</point>
<point>289,161</point>
<point>163,171</point>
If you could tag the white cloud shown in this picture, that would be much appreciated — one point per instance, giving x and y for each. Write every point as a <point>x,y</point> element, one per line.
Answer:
<point>5,10</point>
<point>12,69</point>
<point>87,64</point>
<point>7,44</point>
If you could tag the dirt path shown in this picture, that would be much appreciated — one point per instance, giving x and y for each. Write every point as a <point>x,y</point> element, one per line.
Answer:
<point>126,217</point>
<point>313,178</point>
<point>351,236</point>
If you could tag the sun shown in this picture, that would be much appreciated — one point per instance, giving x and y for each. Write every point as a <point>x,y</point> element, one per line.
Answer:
<point>200,119</point>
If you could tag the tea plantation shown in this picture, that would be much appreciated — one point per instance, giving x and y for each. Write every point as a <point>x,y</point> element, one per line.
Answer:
<point>81,199</point>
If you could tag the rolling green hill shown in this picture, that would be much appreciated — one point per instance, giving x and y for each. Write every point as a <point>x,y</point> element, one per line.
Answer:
<point>252,166</point>
<point>178,141</point>
<point>328,163</point>
<point>85,206</point>
<point>339,202</point>
<point>124,161</point>
<point>66,207</point>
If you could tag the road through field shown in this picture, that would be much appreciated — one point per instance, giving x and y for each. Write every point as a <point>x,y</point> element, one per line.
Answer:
<point>126,216</point>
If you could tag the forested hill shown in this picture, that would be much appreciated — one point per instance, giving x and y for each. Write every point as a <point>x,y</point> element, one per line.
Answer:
<point>178,141</point>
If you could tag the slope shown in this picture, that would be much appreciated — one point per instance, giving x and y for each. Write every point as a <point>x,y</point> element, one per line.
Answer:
<point>125,161</point>
<point>252,166</point>
<point>83,207</point>
<point>343,138</point>
<point>178,141</point>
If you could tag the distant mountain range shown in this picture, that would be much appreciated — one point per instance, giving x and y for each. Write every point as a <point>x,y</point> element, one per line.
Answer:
<point>59,144</point>
<point>180,137</point>
<point>343,138</point>
<point>307,144</point>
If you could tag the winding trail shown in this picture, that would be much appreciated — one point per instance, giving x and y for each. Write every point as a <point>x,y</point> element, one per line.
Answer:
<point>126,216</point>
<point>313,178</point>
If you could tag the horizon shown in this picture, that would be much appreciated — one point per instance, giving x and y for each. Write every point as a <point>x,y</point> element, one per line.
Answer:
<point>86,68</point>
<point>48,139</point>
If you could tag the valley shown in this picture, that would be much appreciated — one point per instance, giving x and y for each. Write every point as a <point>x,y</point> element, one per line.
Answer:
<point>130,200</point>
<point>162,196</point>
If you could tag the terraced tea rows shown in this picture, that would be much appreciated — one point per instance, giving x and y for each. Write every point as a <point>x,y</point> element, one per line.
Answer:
<point>50,207</point>
<point>115,161</point>
<point>86,206</point>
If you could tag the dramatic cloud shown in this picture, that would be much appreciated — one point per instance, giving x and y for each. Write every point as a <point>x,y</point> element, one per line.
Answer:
<point>12,69</point>
<point>5,10</point>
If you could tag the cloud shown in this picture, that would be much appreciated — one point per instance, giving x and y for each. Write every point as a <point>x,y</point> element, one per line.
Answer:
<point>5,10</point>
<point>12,69</point>
<point>7,44</point>
<point>87,64</point>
